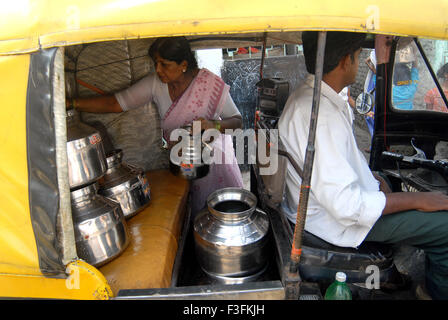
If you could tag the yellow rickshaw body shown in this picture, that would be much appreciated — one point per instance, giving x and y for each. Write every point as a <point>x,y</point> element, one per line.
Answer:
<point>32,25</point>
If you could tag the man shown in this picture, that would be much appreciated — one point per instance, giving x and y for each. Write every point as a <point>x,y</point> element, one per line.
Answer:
<point>347,203</point>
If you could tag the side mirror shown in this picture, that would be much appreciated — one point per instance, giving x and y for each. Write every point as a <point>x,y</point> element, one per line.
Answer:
<point>364,103</point>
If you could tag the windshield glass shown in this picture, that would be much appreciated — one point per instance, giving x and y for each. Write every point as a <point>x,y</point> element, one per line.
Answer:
<point>413,87</point>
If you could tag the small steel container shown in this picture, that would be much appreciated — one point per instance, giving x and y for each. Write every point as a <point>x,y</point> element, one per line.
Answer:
<point>125,184</point>
<point>190,165</point>
<point>85,152</point>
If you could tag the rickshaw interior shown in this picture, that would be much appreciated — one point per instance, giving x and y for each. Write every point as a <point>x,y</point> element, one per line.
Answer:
<point>419,134</point>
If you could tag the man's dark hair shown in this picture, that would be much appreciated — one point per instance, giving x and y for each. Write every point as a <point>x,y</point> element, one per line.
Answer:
<point>174,49</point>
<point>442,71</point>
<point>338,45</point>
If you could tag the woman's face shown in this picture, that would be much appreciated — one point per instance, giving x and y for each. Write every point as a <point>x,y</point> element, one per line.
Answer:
<point>167,70</point>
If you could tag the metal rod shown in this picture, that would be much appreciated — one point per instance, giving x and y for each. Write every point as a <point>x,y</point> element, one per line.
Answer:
<point>263,53</point>
<point>292,161</point>
<point>296,250</point>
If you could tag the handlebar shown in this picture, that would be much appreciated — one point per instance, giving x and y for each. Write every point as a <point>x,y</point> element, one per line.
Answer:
<point>437,165</point>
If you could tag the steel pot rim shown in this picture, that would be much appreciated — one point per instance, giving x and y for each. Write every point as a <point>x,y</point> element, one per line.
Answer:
<point>85,191</point>
<point>114,158</point>
<point>231,193</point>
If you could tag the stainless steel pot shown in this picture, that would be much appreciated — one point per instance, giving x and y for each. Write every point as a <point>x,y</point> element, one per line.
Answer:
<point>189,164</point>
<point>125,184</point>
<point>231,236</point>
<point>101,232</point>
<point>85,152</point>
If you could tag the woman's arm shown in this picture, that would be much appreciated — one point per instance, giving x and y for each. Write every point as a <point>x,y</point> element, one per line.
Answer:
<point>100,104</point>
<point>135,96</point>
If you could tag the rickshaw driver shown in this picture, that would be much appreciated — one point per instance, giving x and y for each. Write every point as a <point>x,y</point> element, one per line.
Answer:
<point>347,203</point>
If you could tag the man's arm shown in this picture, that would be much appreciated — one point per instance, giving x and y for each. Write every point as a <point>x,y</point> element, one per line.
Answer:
<point>422,201</point>
<point>384,186</point>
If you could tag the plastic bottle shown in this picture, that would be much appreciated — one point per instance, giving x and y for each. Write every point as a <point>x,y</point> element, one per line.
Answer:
<point>338,290</point>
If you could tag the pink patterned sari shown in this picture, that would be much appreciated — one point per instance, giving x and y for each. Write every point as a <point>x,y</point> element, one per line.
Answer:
<point>204,98</point>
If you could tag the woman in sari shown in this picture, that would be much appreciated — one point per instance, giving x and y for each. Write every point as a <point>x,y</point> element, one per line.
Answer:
<point>183,93</point>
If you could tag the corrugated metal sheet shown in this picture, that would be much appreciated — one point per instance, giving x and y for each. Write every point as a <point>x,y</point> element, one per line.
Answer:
<point>112,66</point>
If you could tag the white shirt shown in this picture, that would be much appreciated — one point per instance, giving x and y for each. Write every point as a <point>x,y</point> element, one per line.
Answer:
<point>150,88</point>
<point>345,200</point>
<point>344,95</point>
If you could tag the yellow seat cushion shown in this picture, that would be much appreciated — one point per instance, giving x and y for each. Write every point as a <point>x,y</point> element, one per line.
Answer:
<point>148,260</point>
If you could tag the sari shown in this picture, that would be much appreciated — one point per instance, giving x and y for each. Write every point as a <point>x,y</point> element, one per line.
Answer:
<point>203,99</point>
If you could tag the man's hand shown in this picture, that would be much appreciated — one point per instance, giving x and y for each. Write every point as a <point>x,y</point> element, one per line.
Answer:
<point>431,201</point>
<point>422,201</point>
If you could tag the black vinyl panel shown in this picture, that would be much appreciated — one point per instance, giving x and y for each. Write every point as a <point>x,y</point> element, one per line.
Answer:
<point>41,152</point>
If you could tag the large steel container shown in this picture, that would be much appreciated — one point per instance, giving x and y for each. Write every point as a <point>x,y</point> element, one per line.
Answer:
<point>85,152</point>
<point>101,232</point>
<point>231,236</point>
<point>125,184</point>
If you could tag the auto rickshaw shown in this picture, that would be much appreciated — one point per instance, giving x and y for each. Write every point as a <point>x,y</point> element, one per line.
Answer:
<point>40,50</point>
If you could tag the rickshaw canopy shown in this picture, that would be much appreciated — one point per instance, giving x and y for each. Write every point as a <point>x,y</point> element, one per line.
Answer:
<point>28,25</point>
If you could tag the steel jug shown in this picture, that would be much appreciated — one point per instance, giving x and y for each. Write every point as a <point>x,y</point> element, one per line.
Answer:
<point>85,152</point>
<point>189,164</point>
<point>231,236</point>
<point>125,184</point>
<point>101,233</point>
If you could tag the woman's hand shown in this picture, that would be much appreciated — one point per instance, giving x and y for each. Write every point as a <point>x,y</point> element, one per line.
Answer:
<point>207,124</point>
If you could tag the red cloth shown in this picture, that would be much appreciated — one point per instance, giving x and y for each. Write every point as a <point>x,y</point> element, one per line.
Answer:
<point>434,100</point>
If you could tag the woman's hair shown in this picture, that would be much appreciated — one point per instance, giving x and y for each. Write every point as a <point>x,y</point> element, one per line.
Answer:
<point>442,71</point>
<point>174,49</point>
<point>338,45</point>
<point>402,74</point>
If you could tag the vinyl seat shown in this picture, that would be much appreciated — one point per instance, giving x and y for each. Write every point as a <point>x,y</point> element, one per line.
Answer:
<point>321,260</point>
<point>154,237</point>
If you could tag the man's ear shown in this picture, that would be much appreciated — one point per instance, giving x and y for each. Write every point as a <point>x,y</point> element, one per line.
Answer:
<point>345,62</point>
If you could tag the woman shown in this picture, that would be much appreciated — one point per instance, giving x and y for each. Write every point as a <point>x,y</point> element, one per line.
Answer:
<point>433,99</point>
<point>183,93</point>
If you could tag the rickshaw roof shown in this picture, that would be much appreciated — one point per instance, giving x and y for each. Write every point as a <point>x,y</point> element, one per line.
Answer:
<point>28,25</point>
